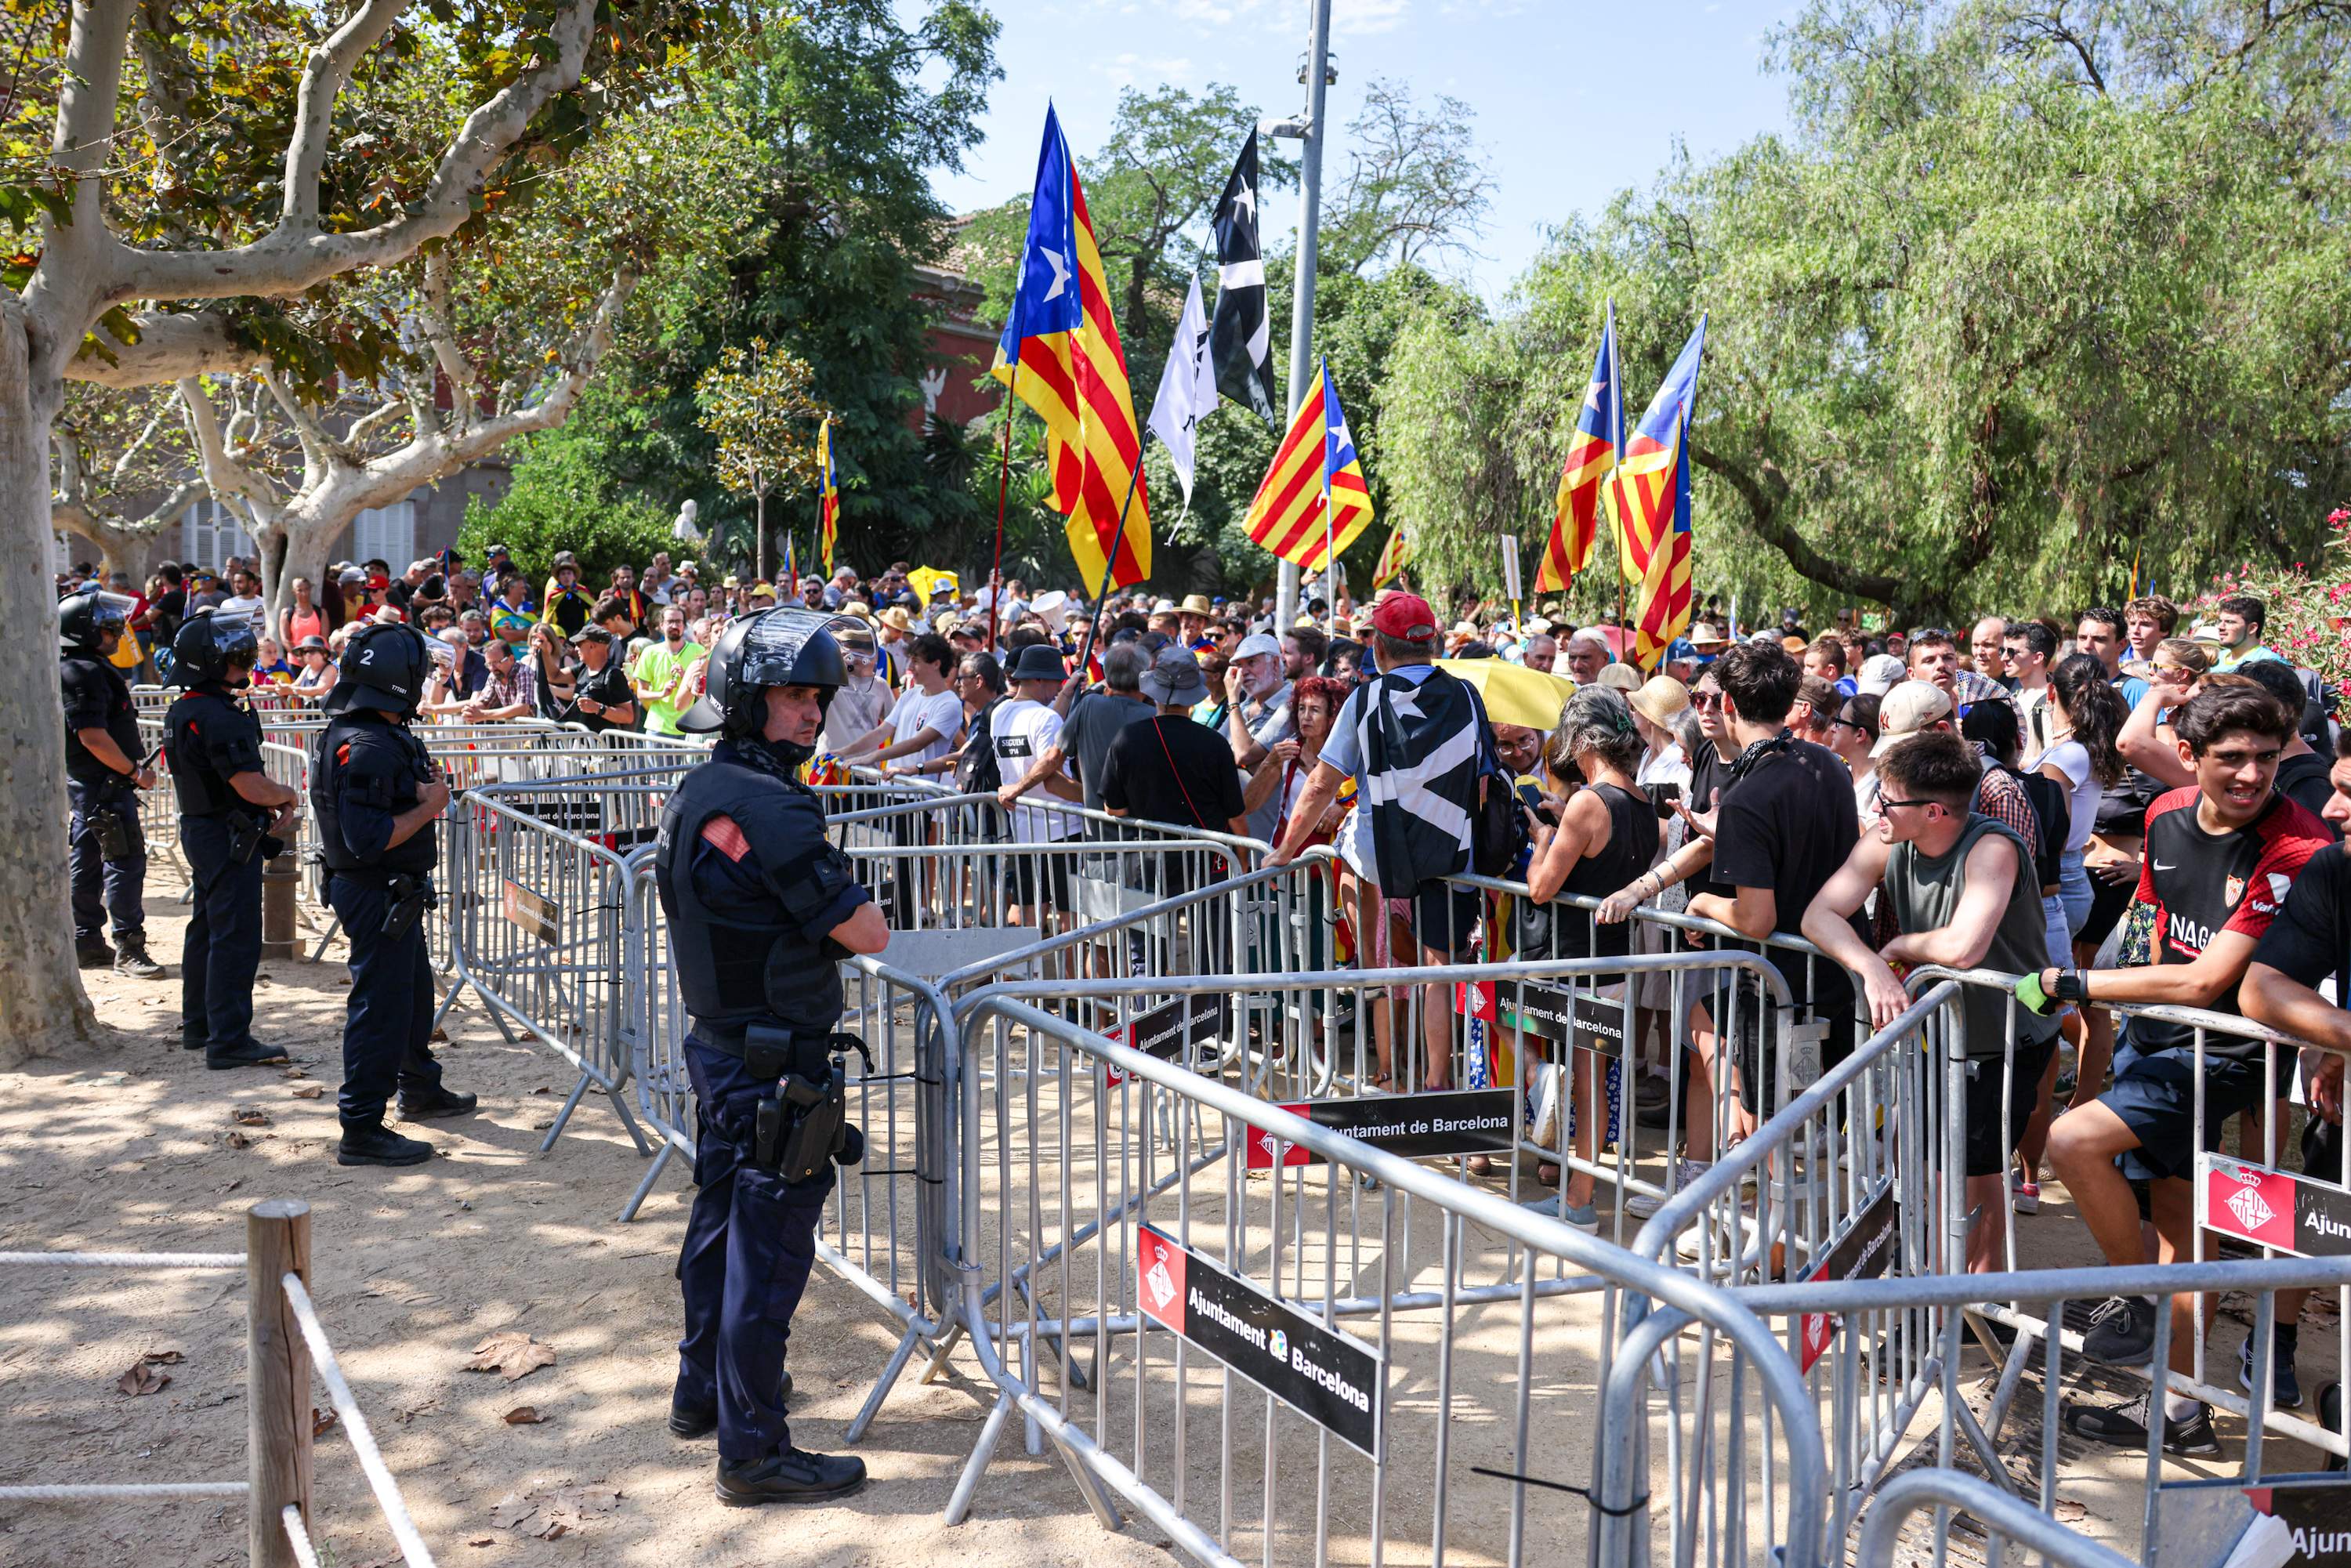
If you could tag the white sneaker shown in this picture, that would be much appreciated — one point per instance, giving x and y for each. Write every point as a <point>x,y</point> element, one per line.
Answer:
<point>1686,1171</point>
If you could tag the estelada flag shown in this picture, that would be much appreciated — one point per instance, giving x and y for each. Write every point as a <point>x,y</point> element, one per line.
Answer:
<point>1317,462</point>
<point>1590,456</point>
<point>828,497</point>
<point>1663,611</point>
<point>1648,474</point>
<point>1060,355</point>
<point>1394,555</point>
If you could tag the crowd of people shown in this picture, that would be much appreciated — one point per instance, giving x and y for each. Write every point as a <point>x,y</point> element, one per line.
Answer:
<point>2121,809</point>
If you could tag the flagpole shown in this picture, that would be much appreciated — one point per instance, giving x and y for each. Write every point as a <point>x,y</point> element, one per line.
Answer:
<point>1617,458</point>
<point>1003,478</point>
<point>1109,568</point>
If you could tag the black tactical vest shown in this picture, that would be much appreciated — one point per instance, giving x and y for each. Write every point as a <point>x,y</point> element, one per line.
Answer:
<point>356,735</point>
<point>203,790</point>
<point>736,969</point>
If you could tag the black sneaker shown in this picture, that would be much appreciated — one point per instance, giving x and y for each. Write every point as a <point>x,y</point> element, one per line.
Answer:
<point>2121,1332</point>
<point>431,1107</point>
<point>693,1421</point>
<point>130,958</point>
<point>2286,1389</point>
<point>2125,1427</point>
<point>375,1146</point>
<point>788,1475</point>
<point>2330,1416</point>
<point>247,1053</point>
<point>92,953</point>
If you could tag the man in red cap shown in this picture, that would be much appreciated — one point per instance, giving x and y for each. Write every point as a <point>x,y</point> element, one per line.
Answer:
<point>1419,787</point>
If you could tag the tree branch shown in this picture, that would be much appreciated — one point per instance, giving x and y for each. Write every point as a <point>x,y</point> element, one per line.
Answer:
<point>171,346</point>
<point>293,256</point>
<point>324,76</point>
<point>1763,491</point>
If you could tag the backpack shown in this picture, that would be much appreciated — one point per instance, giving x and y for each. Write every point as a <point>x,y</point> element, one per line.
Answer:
<point>2054,811</point>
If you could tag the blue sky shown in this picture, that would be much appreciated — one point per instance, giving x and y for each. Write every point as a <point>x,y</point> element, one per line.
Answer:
<point>1573,101</point>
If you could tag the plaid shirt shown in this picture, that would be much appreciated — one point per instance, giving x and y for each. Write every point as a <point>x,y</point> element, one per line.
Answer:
<point>519,685</point>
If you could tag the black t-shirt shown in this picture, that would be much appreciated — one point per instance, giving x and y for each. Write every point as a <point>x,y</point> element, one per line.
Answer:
<point>2311,938</point>
<point>1788,825</point>
<point>2304,780</point>
<point>2202,884</point>
<point>169,612</point>
<point>96,697</point>
<point>1709,771</point>
<point>1173,771</point>
<point>608,686</point>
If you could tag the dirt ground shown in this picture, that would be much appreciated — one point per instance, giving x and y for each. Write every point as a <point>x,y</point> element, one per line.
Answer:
<point>140,1148</point>
<point>132,1150</point>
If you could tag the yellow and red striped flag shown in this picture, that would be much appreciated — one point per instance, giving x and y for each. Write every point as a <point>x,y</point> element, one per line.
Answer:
<point>1394,555</point>
<point>1313,501</point>
<point>1591,457</point>
<point>1647,475</point>
<point>1060,355</point>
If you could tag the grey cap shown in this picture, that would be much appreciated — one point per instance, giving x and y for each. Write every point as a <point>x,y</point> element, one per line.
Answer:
<point>1174,678</point>
<point>1258,644</point>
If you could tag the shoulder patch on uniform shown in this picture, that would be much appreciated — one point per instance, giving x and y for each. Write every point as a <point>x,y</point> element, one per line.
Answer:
<point>721,834</point>
<point>343,754</point>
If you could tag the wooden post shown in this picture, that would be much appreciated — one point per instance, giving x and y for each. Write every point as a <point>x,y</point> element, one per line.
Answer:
<point>277,1378</point>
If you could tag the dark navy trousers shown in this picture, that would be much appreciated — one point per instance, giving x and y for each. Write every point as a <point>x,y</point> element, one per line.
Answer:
<point>102,887</point>
<point>223,948</point>
<point>749,1244</point>
<point>388,1027</point>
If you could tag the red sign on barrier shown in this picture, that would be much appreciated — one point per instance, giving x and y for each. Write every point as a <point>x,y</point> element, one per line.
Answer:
<point>2271,1207</point>
<point>1862,1252</point>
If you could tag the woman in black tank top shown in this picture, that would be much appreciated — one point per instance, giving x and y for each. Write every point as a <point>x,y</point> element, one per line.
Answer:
<point>1606,837</point>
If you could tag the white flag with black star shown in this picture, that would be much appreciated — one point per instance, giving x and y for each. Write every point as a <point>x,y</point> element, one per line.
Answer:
<point>1187,389</point>
<point>1241,338</point>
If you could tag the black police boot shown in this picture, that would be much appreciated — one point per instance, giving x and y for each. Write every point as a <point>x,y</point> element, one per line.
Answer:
<point>692,1421</point>
<point>788,1475</point>
<point>130,958</point>
<point>439,1103</point>
<point>92,952</point>
<point>374,1145</point>
<point>247,1053</point>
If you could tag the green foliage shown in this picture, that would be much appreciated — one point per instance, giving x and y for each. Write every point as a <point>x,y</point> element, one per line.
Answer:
<point>565,497</point>
<point>2018,297</point>
<point>851,106</point>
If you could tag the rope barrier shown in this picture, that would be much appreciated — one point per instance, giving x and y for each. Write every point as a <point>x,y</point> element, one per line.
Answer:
<point>296,1537</point>
<point>95,1492</point>
<point>122,1260</point>
<point>355,1427</point>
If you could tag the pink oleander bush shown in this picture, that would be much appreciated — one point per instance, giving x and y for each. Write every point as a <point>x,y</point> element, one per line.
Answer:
<point>2309,604</point>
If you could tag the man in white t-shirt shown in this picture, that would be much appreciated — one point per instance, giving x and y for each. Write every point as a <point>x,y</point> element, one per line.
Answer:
<point>928,716</point>
<point>1022,730</point>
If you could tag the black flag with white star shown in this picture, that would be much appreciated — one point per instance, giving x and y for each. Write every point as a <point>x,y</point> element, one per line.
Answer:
<point>1240,336</point>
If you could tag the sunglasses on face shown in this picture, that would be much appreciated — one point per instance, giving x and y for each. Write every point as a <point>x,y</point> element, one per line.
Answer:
<point>1706,699</point>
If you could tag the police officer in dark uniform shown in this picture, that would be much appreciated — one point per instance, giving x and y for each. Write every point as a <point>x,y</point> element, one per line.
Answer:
<point>378,794</point>
<point>104,771</point>
<point>761,908</point>
<point>233,817</point>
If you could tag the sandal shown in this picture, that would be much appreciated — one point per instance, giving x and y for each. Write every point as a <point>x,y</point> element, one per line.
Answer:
<point>1547,1173</point>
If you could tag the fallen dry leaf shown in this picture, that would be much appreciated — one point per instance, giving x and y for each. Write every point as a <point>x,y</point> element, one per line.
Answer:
<point>482,1540</point>
<point>2068,1511</point>
<point>524,1416</point>
<point>511,1353</point>
<point>322,1421</point>
<point>512,1510</point>
<point>163,1358</point>
<point>252,1117</point>
<point>143,1379</point>
<point>308,1090</point>
<point>236,1140</point>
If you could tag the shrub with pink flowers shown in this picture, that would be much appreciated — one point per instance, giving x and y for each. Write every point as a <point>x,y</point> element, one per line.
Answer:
<point>2309,604</point>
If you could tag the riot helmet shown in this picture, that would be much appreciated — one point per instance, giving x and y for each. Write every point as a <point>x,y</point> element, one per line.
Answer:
<point>210,647</point>
<point>383,666</point>
<point>85,618</point>
<point>772,648</point>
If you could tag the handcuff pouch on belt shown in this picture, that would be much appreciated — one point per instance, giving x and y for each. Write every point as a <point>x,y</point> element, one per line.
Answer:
<point>804,1125</point>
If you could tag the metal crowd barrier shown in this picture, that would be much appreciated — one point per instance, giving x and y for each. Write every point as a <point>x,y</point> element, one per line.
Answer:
<point>537,919</point>
<point>285,1340</point>
<point>1157,1268</point>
